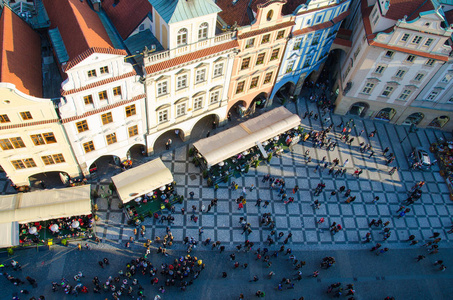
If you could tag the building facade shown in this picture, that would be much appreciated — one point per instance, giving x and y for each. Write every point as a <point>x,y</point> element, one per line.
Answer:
<point>398,48</point>
<point>316,25</point>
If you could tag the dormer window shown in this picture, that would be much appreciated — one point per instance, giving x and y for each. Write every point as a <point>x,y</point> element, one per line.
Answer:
<point>104,70</point>
<point>182,37</point>
<point>416,40</point>
<point>203,31</point>
<point>405,37</point>
<point>91,73</point>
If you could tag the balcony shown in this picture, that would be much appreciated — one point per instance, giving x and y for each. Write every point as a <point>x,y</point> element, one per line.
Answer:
<point>153,58</point>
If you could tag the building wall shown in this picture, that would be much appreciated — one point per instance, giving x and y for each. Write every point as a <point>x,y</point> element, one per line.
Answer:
<point>44,120</point>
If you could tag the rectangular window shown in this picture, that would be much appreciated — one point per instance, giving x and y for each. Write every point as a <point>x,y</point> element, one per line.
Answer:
<point>82,126</point>
<point>268,77</point>
<point>162,88</point>
<point>368,88</point>
<point>290,66</point>
<point>107,118</point>
<point>379,69</point>
<point>88,99</point>
<point>104,70</point>
<point>430,62</point>
<point>387,91</point>
<point>88,146</point>
<point>404,95</point>
<point>4,119</point>
<point>29,163</point>
<point>117,91</point>
<point>37,139</point>
<point>416,39</point>
<point>260,59</point>
<point>218,69</point>
<point>91,73</point>
<point>133,130</point>
<point>432,95</point>
<point>49,137</point>
<point>214,98</point>
<point>446,78</point>
<point>103,95</point>
<point>181,82</point>
<point>245,63</point>
<point>389,54</point>
<point>18,164</point>
<point>297,43</point>
<point>274,54</point>
<point>58,158</point>
<point>180,110</point>
<point>26,115</point>
<point>250,43</point>
<point>240,87</point>
<point>280,34</point>
<point>315,39</point>
<point>17,142</point>
<point>265,39</point>
<point>254,82</point>
<point>410,58</point>
<point>419,77</point>
<point>163,116</point>
<point>111,138</point>
<point>200,76</point>
<point>318,19</point>
<point>6,144</point>
<point>400,73</point>
<point>405,37</point>
<point>47,160</point>
<point>130,110</point>
<point>197,103</point>
<point>429,42</point>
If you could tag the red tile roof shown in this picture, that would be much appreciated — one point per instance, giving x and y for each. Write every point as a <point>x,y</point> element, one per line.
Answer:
<point>267,29</point>
<point>291,5</point>
<point>190,57</point>
<point>103,109</point>
<point>20,54</point>
<point>127,15</point>
<point>27,124</point>
<point>79,26</point>
<point>410,8</point>
<point>232,13</point>
<point>98,83</point>
<point>90,51</point>
<point>449,16</point>
<point>342,42</point>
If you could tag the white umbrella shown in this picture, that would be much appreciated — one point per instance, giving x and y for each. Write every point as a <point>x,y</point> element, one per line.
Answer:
<point>162,188</point>
<point>276,138</point>
<point>221,163</point>
<point>75,224</point>
<point>138,199</point>
<point>265,143</point>
<point>32,230</point>
<point>54,228</point>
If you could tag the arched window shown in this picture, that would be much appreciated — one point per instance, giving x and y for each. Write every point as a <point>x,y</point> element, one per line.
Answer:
<point>270,14</point>
<point>182,37</point>
<point>203,31</point>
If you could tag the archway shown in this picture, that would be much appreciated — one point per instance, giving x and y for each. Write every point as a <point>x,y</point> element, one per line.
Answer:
<point>385,114</point>
<point>285,93</point>
<point>258,102</point>
<point>237,110</point>
<point>439,122</point>
<point>136,153</point>
<point>414,118</point>
<point>359,109</point>
<point>55,179</point>
<point>204,126</point>
<point>105,165</point>
<point>174,137</point>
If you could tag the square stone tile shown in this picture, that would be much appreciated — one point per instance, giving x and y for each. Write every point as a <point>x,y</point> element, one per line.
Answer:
<point>353,185</point>
<point>376,186</point>
<point>346,209</point>
<point>224,206</point>
<point>311,236</point>
<point>223,235</point>
<point>352,236</point>
<point>435,223</point>
<point>410,222</point>
<point>383,210</point>
<point>207,220</point>
<point>340,236</point>
<point>441,210</point>
<point>281,222</point>
<point>365,185</point>
<point>371,210</point>
<point>362,222</point>
<point>294,222</point>
<point>423,222</point>
<point>298,236</point>
<point>308,222</point>
<point>333,210</point>
<point>223,221</point>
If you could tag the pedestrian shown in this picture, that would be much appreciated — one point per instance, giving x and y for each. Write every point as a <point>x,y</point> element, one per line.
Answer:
<point>435,234</point>
<point>414,242</point>
<point>375,199</point>
<point>382,251</point>
<point>266,203</point>
<point>371,154</point>
<point>345,163</point>
<point>224,275</point>
<point>258,202</point>
<point>191,194</point>
<point>333,193</point>
<point>442,268</point>
<point>420,257</point>
<point>438,262</point>
<point>385,150</point>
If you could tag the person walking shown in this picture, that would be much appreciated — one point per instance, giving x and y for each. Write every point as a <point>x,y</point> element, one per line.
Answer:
<point>420,257</point>
<point>345,163</point>
<point>382,251</point>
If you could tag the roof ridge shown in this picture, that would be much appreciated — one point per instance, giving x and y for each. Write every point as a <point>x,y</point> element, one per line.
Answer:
<point>79,58</point>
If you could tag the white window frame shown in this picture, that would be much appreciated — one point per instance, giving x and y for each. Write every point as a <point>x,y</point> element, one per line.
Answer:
<point>290,66</point>
<point>162,116</point>
<point>203,31</point>
<point>379,69</point>
<point>198,102</point>
<point>218,69</point>
<point>446,78</point>
<point>214,97</point>
<point>430,62</point>
<point>404,95</point>
<point>432,96</point>
<point>181,38</point>
<point>428,42</point>
<point>162,88</point>
<point>387,91</point>
<point>181,81</point>
<point>400,73</point>
<point>417,39</point>
<point>421,75</point>
<point>391,54</point>
<point>200,75</point>
<point>180,109</point>
<point>297,43</point>
<point>368,88</point>
<point>410,58</point>
<point>405,37</point>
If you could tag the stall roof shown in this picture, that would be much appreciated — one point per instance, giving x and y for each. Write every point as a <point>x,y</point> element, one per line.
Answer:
<point>46,205</point>
<point>9,234</point>
<point>142,179</point>
<point>230,142</point>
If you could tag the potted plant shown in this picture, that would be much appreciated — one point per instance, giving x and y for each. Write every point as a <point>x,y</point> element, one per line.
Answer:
<point>256,163</point>
<point>247,167</point>
<point>64,242</point>
<point>269,157</point>
<point>111,186</point>
<point>210,183</point>
<point>205,173</point>
<point>225,179</point>
<point>10,251</point>
<point>191,152</point>
<point>95,194</point>
<point>181,199</point>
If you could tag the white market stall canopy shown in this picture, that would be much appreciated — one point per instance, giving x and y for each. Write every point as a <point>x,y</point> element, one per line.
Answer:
<point>142,180</point>
<point>46,205</point>
<point>9,234</point>
<point>230,142</point>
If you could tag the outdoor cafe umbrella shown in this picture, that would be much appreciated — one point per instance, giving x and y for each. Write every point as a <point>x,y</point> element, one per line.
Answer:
<point>54,228</point>
<point>32,230</point>
<point>75,224</point>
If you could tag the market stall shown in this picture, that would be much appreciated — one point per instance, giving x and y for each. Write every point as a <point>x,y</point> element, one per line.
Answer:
<point>233,150</point>
<point>56,213</point>
<point>9,234</point>
<point>145,189</point>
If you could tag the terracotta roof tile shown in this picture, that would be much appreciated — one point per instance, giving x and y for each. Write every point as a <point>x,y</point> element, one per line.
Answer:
<point>291,5</point>
<point>103,109</point>
<point>232,13</point>
<point>127,15</point>
<point>79,26</point>
<point>264,30</point>
<point>342,42</point>
<point>98,83</point>
<point>449,16</point>
<point>20,54</point>
<point>20,125</point>
<point>190,57</point>
<point>90,51</point>
<point>410,8</point>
